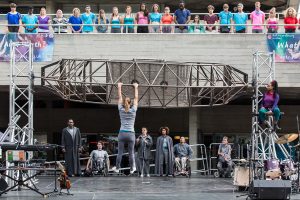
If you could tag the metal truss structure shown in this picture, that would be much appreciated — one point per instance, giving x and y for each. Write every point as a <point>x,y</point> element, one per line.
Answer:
<point>161,83</point>
<point>263,138</point>
<point>20,129</point>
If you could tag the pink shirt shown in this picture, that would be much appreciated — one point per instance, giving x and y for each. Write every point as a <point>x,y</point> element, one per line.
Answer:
<point>258,17</point>
<point>272,23</point>
<point>142,19</point>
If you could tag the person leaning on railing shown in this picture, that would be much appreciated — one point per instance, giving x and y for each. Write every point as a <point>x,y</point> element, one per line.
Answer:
<point>60,23</point>
<point>115,21</point>
<point>128,20</point>
<point>102,22</point>
<point>76,20</point>
<point>28,21</point>
<point>290,18</point>
<point>182,16</point>
<point>43,21</point>
<point>211,19</point>
<point>167,18</point>
<point>272,22</point>
<point>196,26</point>
<point>240,18</point>
<point>154,19</point>
<point>88,18</point>
<point>225,17</point>
<point>257,18</point>
<point>142,17</point>
<point>13,18</point>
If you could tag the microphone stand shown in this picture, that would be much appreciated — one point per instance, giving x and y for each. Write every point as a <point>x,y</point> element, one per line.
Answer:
<point>55,191</point>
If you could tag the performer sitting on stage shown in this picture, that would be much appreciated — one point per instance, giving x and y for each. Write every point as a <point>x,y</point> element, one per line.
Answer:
<point>224,153</point>
<point>269,104</point>
<point>97,159</point>
<point>182,153</point>
<point>144,144</point>
<point>164,157</point>
<point>126,133</point>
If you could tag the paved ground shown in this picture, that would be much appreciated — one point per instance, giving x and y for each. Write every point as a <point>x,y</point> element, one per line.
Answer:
<point>129,188</point>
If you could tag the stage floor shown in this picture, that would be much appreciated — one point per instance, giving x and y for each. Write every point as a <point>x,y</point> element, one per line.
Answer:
<point>127,188</point>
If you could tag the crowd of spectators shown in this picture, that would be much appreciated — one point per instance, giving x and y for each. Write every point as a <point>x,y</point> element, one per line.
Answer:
<point>152,21</point>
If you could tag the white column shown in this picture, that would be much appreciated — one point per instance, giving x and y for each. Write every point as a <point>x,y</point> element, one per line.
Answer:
<point>193,132</point>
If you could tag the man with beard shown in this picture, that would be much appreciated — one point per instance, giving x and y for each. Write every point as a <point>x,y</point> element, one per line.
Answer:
<point>71,142</point>
<point>164,159</point>
<point>182,16</point>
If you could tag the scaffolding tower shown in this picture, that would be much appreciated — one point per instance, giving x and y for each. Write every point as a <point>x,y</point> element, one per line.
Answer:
<point>263,138</point>
<point>20,128</point>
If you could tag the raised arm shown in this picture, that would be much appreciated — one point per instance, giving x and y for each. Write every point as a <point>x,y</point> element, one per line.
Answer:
<point>120,93</point>
<point>136,94</point>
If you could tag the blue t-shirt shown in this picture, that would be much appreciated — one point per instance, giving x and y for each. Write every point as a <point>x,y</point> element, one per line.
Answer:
<point>13,18</point>
<point>88,19</point>
<point>240,18</point>
<point>30,19</point>
<point>155,17</point>
<point>225,17</point>
<point>182,16</point>
<point>75,20</point>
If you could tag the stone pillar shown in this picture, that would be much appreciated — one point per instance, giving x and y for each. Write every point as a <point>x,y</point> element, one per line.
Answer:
<point>193,132</point>
<point>51,6</point>
<point>295,4</point>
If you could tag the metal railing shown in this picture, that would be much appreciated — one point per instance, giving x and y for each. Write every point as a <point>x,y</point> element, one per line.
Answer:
<point>202,158</point>
<point>124,28</point>
<point>108,14</point>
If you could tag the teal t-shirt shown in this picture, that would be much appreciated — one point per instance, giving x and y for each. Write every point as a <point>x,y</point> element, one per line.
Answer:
<point>240,18</point>
<point>155,17</point>
<point>88,19</point>
<point>225,17</point>
<point>30,19</point>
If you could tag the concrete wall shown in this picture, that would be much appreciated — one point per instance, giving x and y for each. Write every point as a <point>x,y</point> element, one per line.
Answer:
<point>235,50</point>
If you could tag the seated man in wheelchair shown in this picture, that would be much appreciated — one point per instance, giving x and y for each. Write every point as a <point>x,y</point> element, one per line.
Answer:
<point>224,162</point>
<point>99,161</point>
<point>183,153</point>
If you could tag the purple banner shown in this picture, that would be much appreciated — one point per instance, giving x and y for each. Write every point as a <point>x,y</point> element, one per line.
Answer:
<point>43,45</point>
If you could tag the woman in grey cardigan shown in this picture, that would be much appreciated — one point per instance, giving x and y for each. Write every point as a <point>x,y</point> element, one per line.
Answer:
<point>144,144</point>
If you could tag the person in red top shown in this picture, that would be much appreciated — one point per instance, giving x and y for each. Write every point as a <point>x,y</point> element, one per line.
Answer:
<point>290,18</point>
<point>167,18</point>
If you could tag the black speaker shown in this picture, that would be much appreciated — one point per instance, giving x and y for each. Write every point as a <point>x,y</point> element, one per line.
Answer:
<point>270,189</point>
<point>3,184</point>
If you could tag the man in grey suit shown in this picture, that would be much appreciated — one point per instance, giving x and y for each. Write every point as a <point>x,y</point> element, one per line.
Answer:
<point>71,143</point>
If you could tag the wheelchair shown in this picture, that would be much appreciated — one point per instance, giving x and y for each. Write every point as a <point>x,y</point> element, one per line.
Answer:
<point>187,171</point>
<point>218,173</point>
<point>97,169</point>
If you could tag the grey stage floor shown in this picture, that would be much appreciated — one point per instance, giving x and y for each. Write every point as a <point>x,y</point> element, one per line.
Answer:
<point>125,188</point>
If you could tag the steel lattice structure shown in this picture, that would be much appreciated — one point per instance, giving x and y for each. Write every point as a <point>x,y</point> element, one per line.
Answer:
<point>263,138</point>
<point>20,129</point>
<point>161,83</point>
